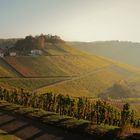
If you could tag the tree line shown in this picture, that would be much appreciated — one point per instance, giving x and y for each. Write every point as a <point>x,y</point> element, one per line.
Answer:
<point>30,42</point>
<point>99,112</point>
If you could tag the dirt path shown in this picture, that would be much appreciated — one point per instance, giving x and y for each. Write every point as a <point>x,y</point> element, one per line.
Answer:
<point>28,129</point>
<point>75,77</point>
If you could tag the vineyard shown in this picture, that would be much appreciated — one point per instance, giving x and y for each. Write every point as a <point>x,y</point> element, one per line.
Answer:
<point>99,112</point>
<point>71,84</point>
<point>92,84</point>
<point>55,65</point>
<point>90,75</point>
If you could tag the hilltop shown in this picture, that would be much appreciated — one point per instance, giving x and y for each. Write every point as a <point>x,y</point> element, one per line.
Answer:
<point>37,45</point>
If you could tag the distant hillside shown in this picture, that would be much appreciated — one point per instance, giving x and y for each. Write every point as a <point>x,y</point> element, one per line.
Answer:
<point>126,52</point>
<point>120,89</point>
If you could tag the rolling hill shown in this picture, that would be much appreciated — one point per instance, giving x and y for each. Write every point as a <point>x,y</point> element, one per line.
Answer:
<point>64,69</point>
<point>123,51</point>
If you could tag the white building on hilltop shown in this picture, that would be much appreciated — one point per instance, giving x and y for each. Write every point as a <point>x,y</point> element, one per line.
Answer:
<point>36,52</point>
<point>12,53</point>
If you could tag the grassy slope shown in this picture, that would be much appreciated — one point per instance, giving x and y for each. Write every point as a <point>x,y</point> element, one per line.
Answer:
<point>61,49</point>
<point>34,66</point>
<point>95,74</point>
<point>55,65</point>
<point>90,85</point>
<point>96,82</point>
<point>51,66</point>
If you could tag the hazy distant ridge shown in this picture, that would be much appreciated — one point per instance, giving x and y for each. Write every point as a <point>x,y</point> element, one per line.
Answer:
<point>124,51</point>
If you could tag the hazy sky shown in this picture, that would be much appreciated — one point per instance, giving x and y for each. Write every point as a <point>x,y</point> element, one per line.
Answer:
<point>82,20</point>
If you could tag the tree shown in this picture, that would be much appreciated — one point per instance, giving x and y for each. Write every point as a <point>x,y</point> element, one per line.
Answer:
<point>80,107</point>
<point>126,114</point>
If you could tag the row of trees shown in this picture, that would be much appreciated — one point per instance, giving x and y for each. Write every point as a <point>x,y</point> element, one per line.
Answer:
<point>80,108</point>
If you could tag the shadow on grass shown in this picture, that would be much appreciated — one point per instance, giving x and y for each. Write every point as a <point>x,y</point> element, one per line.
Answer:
<point>7,122</point>
<point>19,129</point>
<point>41,131</point>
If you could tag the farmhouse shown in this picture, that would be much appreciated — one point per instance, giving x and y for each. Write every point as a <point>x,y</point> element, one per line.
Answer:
<point>2,52</point>
<point>36,52</point>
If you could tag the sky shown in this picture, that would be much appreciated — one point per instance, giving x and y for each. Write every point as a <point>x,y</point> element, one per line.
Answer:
<point>73,20</point>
